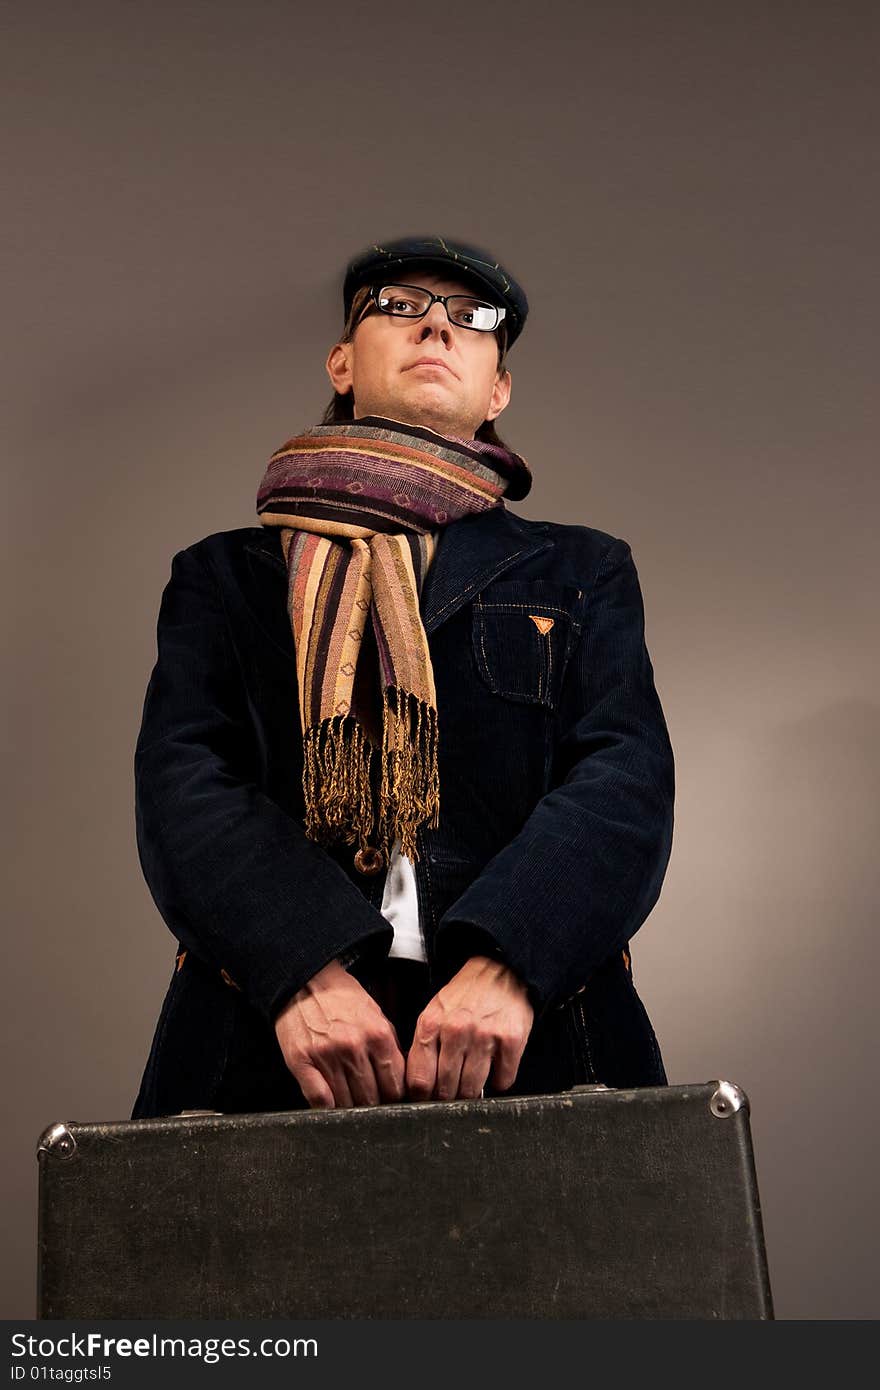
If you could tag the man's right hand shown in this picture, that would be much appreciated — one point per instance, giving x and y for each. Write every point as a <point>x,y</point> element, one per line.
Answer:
<point>339,1045</point>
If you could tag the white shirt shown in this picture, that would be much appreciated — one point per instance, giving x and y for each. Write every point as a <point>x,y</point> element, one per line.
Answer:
<point>400,907</point>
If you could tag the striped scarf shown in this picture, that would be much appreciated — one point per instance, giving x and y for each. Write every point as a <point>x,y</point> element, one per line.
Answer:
<point>361,507</point>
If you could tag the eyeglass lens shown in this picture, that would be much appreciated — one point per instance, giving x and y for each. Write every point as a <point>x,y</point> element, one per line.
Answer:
<point>409,301</point>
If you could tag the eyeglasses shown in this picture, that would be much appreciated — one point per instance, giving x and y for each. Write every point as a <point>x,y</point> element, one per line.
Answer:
<point>413,302</point>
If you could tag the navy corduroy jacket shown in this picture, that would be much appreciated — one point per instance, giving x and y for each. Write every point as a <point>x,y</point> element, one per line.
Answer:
<point>555,770</point>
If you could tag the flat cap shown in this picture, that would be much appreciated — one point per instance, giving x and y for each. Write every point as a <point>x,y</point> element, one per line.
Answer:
<point>393,258</point>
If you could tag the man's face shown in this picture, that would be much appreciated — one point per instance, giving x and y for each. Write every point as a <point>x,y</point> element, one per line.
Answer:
<point>385,366</point>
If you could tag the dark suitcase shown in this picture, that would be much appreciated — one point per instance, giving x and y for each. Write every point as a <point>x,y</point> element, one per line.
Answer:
<point>590,1203</point>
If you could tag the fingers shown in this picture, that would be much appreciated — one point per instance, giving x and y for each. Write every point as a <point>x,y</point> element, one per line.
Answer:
<point>361,1067</point>
<point>479,1022</point>
<point>338,1044</point>
<point>466,1050</point>
<point>421,1062</point>
<point>365,1067</point>
<point>389,1068</point>
<point>342,1056</point>
<point>315,1089</point>
<point>475,1069</point>
<point>337,1079</point>
<point>508,1056</point>
<point>344,1052</point>
<point>450,1057</point>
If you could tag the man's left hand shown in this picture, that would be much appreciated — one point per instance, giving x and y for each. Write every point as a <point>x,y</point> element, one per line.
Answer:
<point>480,1020</point>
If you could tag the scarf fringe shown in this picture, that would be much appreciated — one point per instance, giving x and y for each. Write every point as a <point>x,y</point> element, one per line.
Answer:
<point>338,781</point>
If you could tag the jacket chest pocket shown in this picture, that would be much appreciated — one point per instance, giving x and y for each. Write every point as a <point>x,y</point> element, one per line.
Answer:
<point>523,631</point>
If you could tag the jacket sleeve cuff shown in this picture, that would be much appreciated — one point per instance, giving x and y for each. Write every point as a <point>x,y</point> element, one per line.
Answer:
<point>370,948</point>
<point>456,942</point>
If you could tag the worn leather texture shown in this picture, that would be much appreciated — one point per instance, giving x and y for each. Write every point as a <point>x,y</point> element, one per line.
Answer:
<point>638,1203</point>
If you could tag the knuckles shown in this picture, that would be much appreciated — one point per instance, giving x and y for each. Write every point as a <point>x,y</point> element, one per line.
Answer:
<point>349,1042</point>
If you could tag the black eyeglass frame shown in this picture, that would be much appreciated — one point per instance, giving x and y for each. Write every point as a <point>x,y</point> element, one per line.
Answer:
<point>376,290</point>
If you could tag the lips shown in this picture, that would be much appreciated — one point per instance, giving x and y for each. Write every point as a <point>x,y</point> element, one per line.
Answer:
<point>430,362</point>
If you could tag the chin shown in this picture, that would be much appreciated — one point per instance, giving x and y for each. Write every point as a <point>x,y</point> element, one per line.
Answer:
<point>440,416</point>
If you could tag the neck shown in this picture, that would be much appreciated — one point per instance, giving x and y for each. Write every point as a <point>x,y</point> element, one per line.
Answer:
<point>426,419</point>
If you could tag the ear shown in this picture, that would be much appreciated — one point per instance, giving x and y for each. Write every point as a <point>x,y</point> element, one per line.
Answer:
<point>500,395</point>
<point>338,366</point>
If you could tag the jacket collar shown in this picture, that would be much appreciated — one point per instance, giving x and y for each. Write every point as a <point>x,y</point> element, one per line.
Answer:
<point>470,554</point>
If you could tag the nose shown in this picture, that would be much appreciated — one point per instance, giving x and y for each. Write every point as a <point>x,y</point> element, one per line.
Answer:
<point>436,324</point>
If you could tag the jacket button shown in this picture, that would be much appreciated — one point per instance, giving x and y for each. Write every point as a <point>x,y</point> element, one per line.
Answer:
<point>369,860</point>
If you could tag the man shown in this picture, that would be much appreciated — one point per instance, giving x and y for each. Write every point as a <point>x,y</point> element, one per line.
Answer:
<point>404,785</point>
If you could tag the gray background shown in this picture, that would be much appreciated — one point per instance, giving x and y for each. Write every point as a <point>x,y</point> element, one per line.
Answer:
<point>689,194</point>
